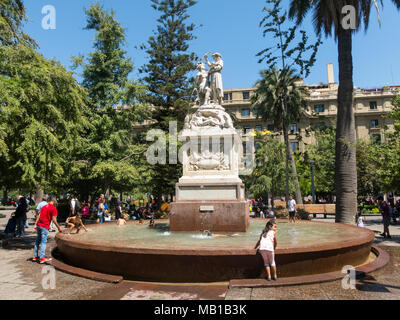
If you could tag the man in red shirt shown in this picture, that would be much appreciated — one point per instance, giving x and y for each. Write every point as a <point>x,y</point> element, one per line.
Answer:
<point>47,215</point>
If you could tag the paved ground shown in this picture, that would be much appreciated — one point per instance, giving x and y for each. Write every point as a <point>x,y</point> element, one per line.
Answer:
<point>21,279</point>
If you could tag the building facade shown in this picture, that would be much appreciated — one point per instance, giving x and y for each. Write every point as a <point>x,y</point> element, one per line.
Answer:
<point>370,107</point>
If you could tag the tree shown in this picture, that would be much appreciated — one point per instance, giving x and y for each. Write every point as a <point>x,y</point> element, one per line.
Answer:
<point>387,154</point>
<point>110,137</point>
<point>289,56</point>
<point>327,16</point>
<point>278,98</point>
<point>368,158</point>
<point>12,17</point>
<point>42,105</point>
<point>167,78</point>
<point>322,151</point>
<point>167,71</point>
<point>269,174</point>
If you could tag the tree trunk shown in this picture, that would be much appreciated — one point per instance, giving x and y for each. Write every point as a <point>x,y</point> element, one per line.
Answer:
<point>107,190</point>
<point>38,194</point>
<point>286,138</point>
<point>5,196</point>
<point>299,198</point>
<point>345,166</point>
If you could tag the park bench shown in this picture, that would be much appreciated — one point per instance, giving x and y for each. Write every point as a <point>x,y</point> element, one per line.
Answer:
<point>314,209</point>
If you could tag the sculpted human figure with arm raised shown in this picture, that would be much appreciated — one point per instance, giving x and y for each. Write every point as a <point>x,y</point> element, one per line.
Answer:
<point>217,90</point>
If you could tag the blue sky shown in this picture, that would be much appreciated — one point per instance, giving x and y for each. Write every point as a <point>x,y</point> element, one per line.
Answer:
<point>229,27</point>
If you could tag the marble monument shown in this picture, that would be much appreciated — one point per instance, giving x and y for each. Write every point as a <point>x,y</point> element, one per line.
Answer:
<point>210,195</point>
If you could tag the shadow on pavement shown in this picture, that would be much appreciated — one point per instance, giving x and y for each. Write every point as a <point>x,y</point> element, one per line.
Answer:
<point>367,286</point>
<point>25,243</point>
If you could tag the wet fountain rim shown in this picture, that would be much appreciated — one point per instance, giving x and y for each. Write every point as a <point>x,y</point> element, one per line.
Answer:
<point>364,235</point>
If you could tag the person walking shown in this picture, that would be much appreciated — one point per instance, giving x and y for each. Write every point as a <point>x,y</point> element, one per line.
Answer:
<point>384,209</point>
<point>20,216</point>
<point>101,212</point>
<point>86,210</point>
<point>118,211</point>
<point>291,204</point>
<point>48,214</point>
<point>72,207</point>
<point>267,244</point>
<point>39,207</point>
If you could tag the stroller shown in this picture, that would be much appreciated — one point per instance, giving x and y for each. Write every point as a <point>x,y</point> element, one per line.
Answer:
<point>11,226</point>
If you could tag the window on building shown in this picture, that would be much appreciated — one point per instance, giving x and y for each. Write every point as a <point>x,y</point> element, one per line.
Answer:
<point>245,112</point>
<point>321,126</point>
<point>270,127</point>
<point>228,96</point>
<point>374,123</point>
<point>255,113</point>
<point>295,146</point>
<point>257,146</point>
<point>293,128</point>
<point>246,129</point>
<point>246,95</point>
<point>319,108</point>
<point>258,127</point>
<point>376,138</point>
<point>244,148</point>
<point>373,105</point>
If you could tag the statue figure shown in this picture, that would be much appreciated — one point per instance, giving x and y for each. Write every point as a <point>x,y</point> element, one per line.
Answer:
<point>209,112</point>
<point>202,84</point>
<point>217,91</point>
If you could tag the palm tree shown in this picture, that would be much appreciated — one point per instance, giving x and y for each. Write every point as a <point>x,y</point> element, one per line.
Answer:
<point>327,17</point>
<point>277,98</point>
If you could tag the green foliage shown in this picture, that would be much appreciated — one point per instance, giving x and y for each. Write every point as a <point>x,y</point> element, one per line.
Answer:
<point>12,17</point>
<point>368,180</point>
<point>269,174</point>
<point>369,209</point>
<point>106,73</point>
<point>42,107</point>
<point>275,89</point>
<point>283,52</point>
<point>106,157</point>
<point>167,78</point>
<point>388,153</point>
<point>278,98</point>
<point>167,72</point>
<point>323,153</point>
<point>327,14</point>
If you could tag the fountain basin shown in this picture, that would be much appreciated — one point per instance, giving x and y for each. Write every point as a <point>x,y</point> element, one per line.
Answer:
<point>138,252</point>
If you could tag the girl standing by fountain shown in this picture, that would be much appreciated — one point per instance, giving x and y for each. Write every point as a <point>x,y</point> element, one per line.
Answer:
<point>267,244</point>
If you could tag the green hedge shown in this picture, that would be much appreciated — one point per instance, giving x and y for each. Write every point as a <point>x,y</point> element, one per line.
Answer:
<point>369,209</point>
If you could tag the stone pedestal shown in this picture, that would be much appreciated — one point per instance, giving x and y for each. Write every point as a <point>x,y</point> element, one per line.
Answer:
<point>210,195</point>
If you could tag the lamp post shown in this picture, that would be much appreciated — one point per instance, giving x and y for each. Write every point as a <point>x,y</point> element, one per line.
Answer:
<point>312,180</point>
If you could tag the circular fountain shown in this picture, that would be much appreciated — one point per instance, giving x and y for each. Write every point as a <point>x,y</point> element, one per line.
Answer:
<point>138,252</point>
<point>211,196</point>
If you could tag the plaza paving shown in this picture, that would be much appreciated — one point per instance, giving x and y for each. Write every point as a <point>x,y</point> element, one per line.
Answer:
<point>21,279</point>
